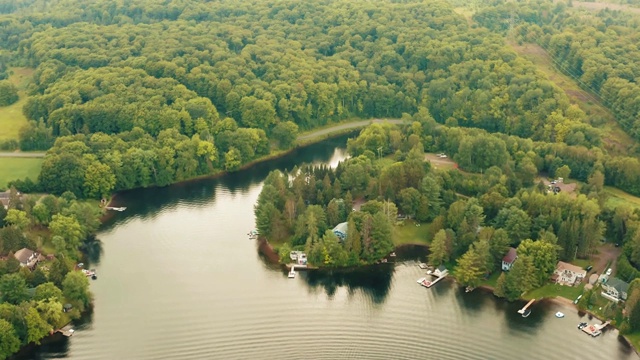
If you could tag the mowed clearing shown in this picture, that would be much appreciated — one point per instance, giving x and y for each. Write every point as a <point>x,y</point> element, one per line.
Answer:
<point>18,168</point>
<point>11,117</point>
<point>439,162</point>
<point>615,139</point>
<point>597,6</point>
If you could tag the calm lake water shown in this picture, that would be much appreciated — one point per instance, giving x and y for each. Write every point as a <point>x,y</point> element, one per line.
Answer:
<point>179,279</point>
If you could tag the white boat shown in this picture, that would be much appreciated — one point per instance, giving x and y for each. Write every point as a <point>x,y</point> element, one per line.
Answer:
<point>116,208</point>
<point>559,314</point>
<point>292,273</point>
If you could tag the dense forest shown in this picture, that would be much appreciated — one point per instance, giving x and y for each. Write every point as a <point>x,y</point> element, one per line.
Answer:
<point>474,215</point>
<point>600,49</point>
<point>47,292</point>
<point>149,92</point>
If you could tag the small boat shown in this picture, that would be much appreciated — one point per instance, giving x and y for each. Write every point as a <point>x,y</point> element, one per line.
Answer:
<point>468,289</point>
<point>559,314</point>
<point>89,273</point>
<point>582,325</point>
<point>526,313</point>
<point>392,254</point>
<point>577,299</point>
<point>292,273</point>
<point>423,266</point>
<point>116,208</point>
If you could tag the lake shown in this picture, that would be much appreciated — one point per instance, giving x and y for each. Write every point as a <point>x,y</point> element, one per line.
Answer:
<point>179,279</point>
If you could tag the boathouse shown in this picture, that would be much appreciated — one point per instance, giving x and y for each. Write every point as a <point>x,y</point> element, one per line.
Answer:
<point>341,230</point>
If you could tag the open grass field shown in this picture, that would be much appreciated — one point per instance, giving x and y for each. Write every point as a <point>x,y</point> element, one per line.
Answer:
<point>18,168</point>
<point>11,117</point>
<point>618,197</point>
<point>615,139</point>
<point>553,290</point>
<point>409,233</point>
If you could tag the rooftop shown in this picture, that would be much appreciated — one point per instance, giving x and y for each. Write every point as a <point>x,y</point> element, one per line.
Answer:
<point>342,227</point>
<point>562,266</point>
<point>23,255</point>
<point>618,284</point>
<point>511,256</point>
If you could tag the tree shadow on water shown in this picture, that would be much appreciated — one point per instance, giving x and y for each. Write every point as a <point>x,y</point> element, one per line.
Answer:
<point>374,281</point>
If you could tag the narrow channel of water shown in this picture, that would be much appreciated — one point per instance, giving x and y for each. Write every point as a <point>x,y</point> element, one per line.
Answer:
<point>179,279</point>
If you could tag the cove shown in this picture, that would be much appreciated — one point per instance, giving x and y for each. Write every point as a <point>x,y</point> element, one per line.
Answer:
<point>180,280</point>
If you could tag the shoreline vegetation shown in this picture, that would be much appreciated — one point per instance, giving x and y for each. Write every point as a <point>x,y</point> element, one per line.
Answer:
<point>43,284</point>
<point>474,211</point>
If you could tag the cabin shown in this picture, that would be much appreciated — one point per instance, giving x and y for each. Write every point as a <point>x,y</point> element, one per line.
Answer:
<point>615,289</point>
<point>568,274</point>
<point>509,259</point>
<point>26,257</point>
<point>341,230</point>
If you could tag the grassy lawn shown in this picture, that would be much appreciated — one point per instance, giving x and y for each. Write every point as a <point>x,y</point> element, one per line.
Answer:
<point>18,168</point>
<point>553,290</point>
<point>618,197</point>
<point>492,280</point>
<point>11,117</point>
<point>583,263</point>
<point>409,233</point>
<point>635,339</point>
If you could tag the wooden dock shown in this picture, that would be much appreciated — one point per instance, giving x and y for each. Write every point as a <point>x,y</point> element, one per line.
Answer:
<point>524,309</point>
<point>66,331</point>
<point>596,329</point>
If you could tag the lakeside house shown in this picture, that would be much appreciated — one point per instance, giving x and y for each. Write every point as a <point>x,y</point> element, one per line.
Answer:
<point>509,259</point>
<point>27,257</point>
<point>615,289</point>
<point>568,274</point>
<point>341,230</point>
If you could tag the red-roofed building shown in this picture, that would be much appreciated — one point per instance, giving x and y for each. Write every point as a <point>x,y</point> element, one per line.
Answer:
<point>509,259</point>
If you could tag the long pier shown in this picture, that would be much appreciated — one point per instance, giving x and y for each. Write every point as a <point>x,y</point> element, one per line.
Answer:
<point>524,309</point>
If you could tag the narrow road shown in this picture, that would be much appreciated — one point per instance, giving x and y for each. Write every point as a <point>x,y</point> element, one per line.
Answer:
<point>351,125</point>
<point>311,135</point>
<point>22,154</point>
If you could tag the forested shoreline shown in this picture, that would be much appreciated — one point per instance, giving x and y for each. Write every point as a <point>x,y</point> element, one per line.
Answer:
<point>494,201</point>
<point>42,240</point>
<point>140,94</point>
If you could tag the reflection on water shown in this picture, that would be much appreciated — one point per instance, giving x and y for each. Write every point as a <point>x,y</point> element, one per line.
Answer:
<point>179,279</point>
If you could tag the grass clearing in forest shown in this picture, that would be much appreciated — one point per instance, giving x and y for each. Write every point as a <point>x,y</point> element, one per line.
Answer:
<point>18,168</point>
<point>554,290</point>
<point>11,117</point>
<point>615,139</point>
<point>411,233</point>
<point>618,197</point>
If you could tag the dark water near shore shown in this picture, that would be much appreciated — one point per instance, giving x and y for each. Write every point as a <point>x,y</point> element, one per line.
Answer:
<point>178,279</point>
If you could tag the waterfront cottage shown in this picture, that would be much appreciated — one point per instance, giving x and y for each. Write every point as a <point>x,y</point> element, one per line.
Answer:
<point>615,289</point>
<point>509,259</point>
<point>341,231</point>
<point>568,274</point>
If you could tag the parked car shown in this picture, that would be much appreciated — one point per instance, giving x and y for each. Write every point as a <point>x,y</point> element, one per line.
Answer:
<point>608,272</point>
<point>588,268</point>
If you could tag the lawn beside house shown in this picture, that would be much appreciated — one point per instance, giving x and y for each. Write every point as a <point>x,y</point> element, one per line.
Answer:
<point>555,290</point>
<point>409,233</point>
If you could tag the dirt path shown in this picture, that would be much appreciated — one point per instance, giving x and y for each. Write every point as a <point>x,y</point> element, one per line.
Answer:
<point>606,253</point>
<point>351,125</point>
<point>18,154</point>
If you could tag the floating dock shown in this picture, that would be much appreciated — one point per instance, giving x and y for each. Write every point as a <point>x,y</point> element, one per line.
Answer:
<point>595,329</point>
<point>439,274</point>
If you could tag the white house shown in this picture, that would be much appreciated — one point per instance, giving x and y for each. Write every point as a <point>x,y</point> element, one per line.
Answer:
<point>509,259</point>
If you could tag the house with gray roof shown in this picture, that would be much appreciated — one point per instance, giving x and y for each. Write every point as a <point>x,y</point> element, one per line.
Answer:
<point>341,230</point>
<point>615,289</point>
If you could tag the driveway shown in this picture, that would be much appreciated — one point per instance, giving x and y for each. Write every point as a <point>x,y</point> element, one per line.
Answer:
<point>606,253</point>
